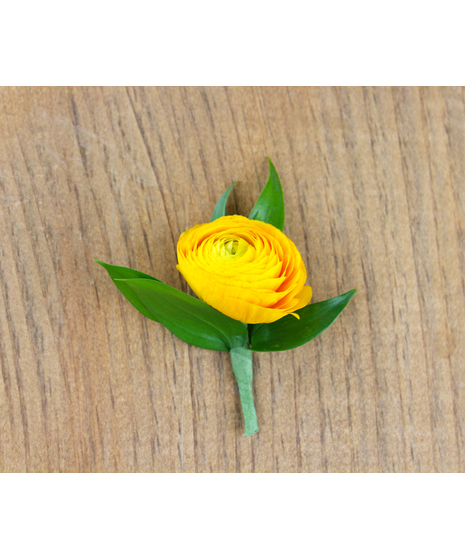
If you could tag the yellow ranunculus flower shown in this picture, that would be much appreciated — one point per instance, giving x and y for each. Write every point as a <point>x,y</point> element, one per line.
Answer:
<point>246,269</point>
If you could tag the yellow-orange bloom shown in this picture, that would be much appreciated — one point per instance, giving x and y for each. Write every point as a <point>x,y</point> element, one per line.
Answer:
<point>246,269</point>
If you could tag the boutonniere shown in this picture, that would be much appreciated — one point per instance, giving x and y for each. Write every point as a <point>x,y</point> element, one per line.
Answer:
<point>250,282</point>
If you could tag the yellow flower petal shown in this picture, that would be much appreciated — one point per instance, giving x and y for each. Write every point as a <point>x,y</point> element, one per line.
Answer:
<point>246,269</point>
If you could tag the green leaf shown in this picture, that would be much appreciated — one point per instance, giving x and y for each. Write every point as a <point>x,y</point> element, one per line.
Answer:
<point>187,317</point>
<point>270,205</point>
<point>119,272</point>
<point>241,359</point>
<point>289,332</point>
<point>220,209</point>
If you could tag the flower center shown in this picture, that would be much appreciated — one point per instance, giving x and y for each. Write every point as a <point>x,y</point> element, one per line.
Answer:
<point>230,247</point>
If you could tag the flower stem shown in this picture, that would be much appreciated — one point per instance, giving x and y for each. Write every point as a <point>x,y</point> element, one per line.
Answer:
<point>241,359</point>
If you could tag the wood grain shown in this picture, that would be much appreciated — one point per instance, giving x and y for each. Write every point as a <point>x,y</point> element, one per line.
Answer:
<point>375,198</point>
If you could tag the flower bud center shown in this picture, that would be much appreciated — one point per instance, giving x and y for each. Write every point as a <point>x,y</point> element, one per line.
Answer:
<point>230,247</point>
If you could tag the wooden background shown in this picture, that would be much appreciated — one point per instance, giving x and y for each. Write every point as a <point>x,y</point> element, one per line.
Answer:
<point>374,189</point>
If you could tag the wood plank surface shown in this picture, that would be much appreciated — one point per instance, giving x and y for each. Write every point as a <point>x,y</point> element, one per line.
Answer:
<point>375,199</point>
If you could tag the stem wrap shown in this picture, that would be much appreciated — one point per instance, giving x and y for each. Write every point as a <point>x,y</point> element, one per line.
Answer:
<point>241,359</point>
